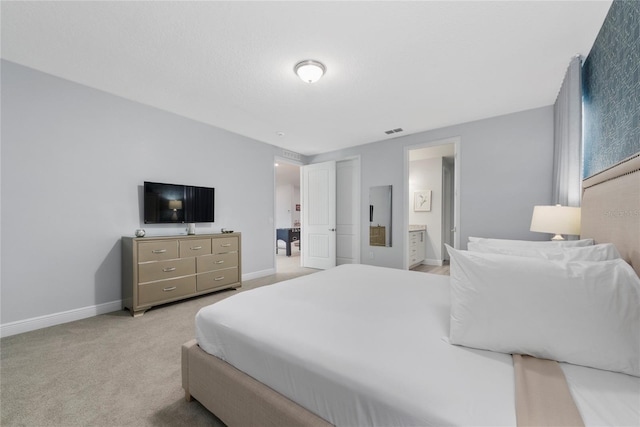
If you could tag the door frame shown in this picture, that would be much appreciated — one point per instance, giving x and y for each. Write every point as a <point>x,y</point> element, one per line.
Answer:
<point>455,140</point>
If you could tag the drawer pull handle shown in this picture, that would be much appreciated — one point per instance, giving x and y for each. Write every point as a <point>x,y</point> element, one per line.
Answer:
<point>217,279</point>
<point>159,251</point>
<point>225,245</point>
<point>220,262</point>
<point>169,269</point>
<point>172,288</point>
<point>196,248</point>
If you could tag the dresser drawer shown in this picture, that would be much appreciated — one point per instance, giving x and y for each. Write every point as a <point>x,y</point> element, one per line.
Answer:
<point>160,270</point>
<point>218,278</point>
<point>216,262</point>
<point>157,250</point>
<point>225,244</point>
<point>152,293</point>
<point>194,247</point>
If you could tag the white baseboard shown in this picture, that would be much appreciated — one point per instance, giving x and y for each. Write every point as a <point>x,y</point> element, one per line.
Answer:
<point>40,322</point>
<point>258,274</point>
<point>437,262</point>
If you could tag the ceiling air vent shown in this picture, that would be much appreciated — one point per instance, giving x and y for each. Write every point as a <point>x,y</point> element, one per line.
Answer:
<point>392,131</point>
<point>291,155</point>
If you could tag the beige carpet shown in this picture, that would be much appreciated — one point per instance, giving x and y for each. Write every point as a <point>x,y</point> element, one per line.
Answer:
<point>110,370</point>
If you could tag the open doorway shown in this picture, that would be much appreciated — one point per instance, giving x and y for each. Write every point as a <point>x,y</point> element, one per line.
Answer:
<point>432,202</point>
<point>287,216</point>
<point>289,220</point>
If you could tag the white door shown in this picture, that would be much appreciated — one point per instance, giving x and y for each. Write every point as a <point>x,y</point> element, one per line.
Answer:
<point>318,184</point>
<point>347,211</point>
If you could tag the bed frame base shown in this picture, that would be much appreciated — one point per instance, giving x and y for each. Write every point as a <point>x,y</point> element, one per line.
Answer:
<point>236,398</point>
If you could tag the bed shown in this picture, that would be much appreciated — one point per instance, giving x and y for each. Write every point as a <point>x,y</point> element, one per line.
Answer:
<point>396,374</point>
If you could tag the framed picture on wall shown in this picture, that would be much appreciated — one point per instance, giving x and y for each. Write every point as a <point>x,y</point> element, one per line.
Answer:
<point>422,201</point>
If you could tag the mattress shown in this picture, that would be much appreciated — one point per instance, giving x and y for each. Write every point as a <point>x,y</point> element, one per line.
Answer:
<point>362,345</point>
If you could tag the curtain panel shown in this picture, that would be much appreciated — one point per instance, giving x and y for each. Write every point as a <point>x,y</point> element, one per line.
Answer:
<point>567,157</point>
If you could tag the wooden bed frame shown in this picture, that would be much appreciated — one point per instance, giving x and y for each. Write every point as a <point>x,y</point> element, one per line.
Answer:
<point>610,214</point>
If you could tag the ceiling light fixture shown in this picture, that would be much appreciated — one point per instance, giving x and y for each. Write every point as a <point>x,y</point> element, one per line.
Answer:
<point>309,70</point>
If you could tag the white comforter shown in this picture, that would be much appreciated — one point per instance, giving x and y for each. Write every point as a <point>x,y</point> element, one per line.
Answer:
<point>361,345</point>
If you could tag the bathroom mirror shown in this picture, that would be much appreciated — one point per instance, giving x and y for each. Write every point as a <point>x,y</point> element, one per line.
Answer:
<point>380,215</point>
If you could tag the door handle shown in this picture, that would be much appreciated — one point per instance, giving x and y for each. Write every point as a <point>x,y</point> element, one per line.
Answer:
<point>332,229</point>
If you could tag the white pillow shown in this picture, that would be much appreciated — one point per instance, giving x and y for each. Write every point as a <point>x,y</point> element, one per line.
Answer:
<point>531,243</point>
<point>585,313</point>
<point>601,252</point>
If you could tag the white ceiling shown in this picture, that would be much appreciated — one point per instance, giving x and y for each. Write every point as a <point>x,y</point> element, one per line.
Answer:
<point>417,65</point>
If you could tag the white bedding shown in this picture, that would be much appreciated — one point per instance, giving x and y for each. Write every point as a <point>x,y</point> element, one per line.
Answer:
<point>361,345</point>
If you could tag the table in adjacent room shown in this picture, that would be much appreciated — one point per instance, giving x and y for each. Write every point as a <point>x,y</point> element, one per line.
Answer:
<point>288,235</point>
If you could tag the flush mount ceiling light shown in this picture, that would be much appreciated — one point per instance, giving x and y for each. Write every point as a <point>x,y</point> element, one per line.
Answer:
<point>309,70</point>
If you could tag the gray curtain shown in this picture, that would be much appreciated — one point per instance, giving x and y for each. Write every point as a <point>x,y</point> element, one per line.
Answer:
<point>567,157</point>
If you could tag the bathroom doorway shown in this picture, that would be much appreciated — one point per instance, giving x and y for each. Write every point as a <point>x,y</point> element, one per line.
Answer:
<point>432,202</point>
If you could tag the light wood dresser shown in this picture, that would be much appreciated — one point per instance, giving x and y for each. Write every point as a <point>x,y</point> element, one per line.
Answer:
<point>158,270</point>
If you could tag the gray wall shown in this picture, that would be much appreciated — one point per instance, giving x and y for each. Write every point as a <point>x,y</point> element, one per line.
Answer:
<point>73,162</point>
<point>505,169</point>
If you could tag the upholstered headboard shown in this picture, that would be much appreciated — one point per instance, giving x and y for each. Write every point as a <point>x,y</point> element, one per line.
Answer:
<point>611,208</point>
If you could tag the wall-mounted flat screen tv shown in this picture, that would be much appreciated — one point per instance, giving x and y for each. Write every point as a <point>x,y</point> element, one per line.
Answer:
<point>172,203</point>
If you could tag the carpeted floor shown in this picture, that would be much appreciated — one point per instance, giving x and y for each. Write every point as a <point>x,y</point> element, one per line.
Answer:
<point>110,370</point>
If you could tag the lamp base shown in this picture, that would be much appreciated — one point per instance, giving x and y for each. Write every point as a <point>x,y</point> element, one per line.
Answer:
<point>557,237</point>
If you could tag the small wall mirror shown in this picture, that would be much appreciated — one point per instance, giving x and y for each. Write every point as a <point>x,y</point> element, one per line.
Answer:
<point>380,216</point>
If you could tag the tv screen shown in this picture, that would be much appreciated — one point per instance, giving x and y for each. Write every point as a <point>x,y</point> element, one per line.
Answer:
<point>172,203</point>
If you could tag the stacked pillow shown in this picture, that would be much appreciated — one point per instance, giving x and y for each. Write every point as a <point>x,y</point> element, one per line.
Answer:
<point>575,304</point>
<point>505,243</point>
<point>603,252</point>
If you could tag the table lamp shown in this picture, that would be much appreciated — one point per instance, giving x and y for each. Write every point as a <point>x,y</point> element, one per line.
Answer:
<point>556,220</point>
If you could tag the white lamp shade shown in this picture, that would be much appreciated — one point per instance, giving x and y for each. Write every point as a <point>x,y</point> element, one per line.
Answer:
<point>309,71</point>
<point>556,220</point>
<point>175,204</point>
